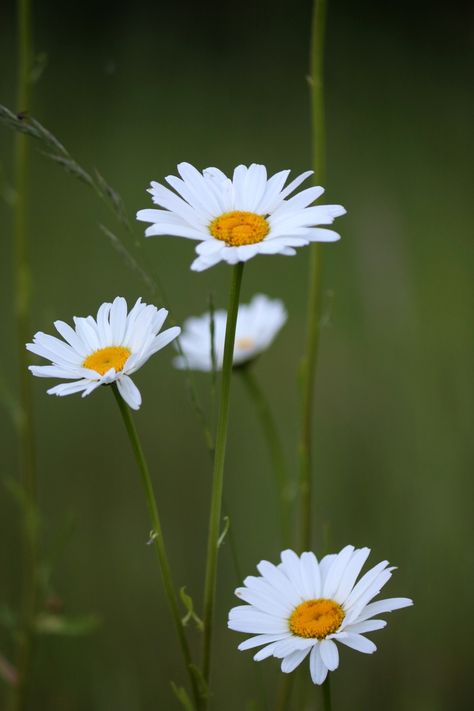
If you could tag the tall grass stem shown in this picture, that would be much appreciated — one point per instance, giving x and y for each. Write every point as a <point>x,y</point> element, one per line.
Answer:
<point>218,472</point>
<point>308,365</point>
<point>22,301</point>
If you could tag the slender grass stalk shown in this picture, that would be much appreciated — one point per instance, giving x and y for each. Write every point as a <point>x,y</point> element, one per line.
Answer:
<point>26,423</point>
<point>157,539</point>
<point>308,365</point>
<point>218,474</point>
<point>318,26</point>
<point>275,448</point>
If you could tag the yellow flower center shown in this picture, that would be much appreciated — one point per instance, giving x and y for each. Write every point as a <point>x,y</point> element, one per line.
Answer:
<point>237,228</point>
<point>104,359</point>
<point>316,618</point>
<point>244,344</point>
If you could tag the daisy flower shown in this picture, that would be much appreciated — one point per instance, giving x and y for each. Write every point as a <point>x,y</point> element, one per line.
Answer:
<point>235,219</point>
<point>103,350</point>
<point>257,325</point>
<point>303,607</point>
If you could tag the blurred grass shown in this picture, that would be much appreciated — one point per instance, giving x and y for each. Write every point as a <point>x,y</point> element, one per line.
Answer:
<point>133,93</point>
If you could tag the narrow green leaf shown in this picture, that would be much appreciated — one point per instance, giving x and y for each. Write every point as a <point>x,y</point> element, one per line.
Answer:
<point>182,696</point>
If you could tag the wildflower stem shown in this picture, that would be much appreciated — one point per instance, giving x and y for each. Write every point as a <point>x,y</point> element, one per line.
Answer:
<point>218,474</point>
<point>308,365</point>
<point>326,689</point>
<point>275,448</point>
<point>26,426</point>
<point>157,538</point>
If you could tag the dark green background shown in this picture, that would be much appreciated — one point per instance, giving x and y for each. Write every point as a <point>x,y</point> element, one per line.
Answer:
<point>133,90</point>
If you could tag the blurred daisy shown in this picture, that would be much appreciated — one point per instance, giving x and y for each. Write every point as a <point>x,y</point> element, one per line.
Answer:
<point>303,607</point>
<point>257,325</point>
<point>235,219</point>
<point>103,350</point>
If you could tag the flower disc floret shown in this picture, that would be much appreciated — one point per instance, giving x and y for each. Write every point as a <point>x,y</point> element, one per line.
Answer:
<point>103,359</point>
<point>316,618</point>
<point>238,228</point>
<point>103,350</point>
<point>234,219</point>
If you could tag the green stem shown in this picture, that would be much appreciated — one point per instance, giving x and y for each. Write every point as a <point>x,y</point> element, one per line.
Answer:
<point>326,689</point>
<point>157,538</point>
<point>26,426</point>
<point>218,473</point>
<point>308,366</point>
<point>275,448</point>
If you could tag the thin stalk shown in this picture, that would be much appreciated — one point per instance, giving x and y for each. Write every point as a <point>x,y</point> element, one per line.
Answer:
<point>318,26</point>
<point>326,689</point>
<point>157,538</point>
<point>275,448</point>
<point>218,473</point>
<point>308,365</point>
<point>26,425</point>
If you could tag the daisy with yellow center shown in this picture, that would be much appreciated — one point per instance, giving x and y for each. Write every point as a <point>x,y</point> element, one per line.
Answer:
<point>257,325</point>
<point>304,606</point>
<point>102,350</point>
<point>234,219</point>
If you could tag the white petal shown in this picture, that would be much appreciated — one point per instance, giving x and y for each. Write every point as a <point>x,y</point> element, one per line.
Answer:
<point>381,606</point>
<point>350,574</point>
<point>260,639</point>
<point>356,641</point>
<point>129,391</point>
<point>367,626</point>
<point>68,388</point>
<point>294,659</point>
<point>329,654</point>
<point>336,571</point>
<point>291,644</point>
<point>318,669</point>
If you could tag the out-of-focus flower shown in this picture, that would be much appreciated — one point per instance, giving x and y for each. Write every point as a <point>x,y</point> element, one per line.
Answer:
<point>257,325</point>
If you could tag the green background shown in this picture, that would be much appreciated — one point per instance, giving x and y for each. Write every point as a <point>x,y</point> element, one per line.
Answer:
<point>133,90</point>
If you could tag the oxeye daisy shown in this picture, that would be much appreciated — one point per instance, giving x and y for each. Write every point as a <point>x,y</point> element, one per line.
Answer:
<point>235,219</point>
<point>257,325</point>
<point>103,350</point>
<point>303,607</point>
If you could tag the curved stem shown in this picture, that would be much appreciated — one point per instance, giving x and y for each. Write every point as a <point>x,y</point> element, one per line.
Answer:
<point>157,537</point>
<point>218,474</point>
<point>275,448</point>
<point>26,423</point>
<point>308,365</point>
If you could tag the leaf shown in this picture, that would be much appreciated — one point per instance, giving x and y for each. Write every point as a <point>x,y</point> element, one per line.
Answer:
<point>182,696</point>
<point>28,507</point>
<point>62,625</point>
<point>191,614</point>
<point>225,531</point>
<point>201,682</point>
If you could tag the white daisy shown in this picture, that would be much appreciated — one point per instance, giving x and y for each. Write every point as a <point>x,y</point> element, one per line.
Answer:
<point>103,350</point>
<point>303,607</point>
<point>233,220</point>
<point>257,325</point>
